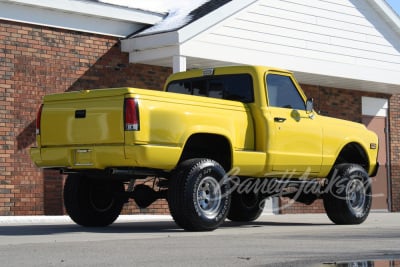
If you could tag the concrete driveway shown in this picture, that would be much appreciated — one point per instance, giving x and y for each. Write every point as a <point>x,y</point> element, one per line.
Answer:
<point>282,240</point>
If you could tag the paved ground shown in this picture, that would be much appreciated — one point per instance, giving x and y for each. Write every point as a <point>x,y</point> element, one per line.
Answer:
<point>283,240</point>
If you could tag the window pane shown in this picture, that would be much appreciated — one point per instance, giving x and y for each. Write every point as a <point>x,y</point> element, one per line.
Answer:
<point>216,88</point>
<point>199,87</point>
<point>283,93</point>
<point>180,87</point>
<point>239,88</point>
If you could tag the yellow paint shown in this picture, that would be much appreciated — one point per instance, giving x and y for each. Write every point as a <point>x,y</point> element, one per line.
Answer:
<point>261,146</point>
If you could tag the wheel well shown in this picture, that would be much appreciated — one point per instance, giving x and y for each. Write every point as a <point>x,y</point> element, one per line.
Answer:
<point>212,146</point>
<point>353,153</point>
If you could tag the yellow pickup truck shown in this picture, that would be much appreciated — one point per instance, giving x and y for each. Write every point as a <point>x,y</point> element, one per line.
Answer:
<point>216,143</point>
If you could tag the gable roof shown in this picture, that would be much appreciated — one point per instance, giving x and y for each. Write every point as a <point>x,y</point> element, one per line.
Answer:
<point>181,17</point>
<point>200,19</point>
<point>177,14</point>
<point>352,44</point>
<point>130,16</point>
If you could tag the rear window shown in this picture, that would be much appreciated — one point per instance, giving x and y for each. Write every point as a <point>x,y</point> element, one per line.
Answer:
<point>237,87</point>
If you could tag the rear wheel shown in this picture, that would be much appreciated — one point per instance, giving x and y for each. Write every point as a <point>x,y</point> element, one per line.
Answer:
<point>198,199</point>
<point>348,196</point>
<point>93,202</point>
<point>246,207</point>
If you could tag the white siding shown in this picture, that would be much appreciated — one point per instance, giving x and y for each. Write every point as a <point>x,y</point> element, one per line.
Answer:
<point>298,34</point>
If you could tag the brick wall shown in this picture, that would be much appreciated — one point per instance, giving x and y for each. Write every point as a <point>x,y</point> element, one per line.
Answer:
<point>343,104</point>
<point>35,61</point>
<point>394,121</point>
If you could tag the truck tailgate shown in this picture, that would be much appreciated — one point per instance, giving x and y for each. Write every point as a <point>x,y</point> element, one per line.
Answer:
<point>83,118</point>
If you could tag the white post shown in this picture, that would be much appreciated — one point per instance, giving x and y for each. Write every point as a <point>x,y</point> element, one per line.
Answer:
<point>271,206</point>
<point>179,63</point>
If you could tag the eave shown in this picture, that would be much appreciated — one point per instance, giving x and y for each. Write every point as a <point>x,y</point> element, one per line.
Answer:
<point>84,16</point>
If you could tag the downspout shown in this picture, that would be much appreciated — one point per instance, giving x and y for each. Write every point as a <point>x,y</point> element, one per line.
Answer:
<point>388,165</point>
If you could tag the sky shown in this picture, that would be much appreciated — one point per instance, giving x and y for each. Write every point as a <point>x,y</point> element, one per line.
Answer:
<point>395,5</point>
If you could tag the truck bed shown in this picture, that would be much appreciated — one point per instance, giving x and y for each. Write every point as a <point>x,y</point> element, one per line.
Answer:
<point>86,129</point>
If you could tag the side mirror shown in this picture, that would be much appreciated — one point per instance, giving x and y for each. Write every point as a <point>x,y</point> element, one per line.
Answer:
<point>310,105</point>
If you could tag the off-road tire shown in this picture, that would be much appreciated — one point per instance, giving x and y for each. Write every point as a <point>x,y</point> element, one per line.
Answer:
<point>92,202</point>
<point>198,200</point>
<point>348,197</point>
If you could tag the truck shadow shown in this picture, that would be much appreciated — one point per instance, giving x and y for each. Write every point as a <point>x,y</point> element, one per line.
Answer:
<point>230,224</point>
<point>131,228</point>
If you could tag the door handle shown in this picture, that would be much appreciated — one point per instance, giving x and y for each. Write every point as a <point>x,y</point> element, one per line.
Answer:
<point>279,119</point>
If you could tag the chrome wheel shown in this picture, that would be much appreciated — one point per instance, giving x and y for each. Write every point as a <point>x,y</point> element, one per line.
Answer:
<point>209,197</point>
<point>356,196</point>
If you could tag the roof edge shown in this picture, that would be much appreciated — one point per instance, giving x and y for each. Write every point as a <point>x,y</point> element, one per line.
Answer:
<point>179,36</point>
<point>388,13</point>
<point>97,9</point>
<point>202,24</point>
<point>72,15</point>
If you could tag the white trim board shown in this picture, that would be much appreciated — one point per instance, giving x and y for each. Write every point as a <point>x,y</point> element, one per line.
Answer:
<point>79,16</point>
<point>97,9</point>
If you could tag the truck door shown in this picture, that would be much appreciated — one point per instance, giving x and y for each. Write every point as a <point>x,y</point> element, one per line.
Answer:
<point>295,143</point>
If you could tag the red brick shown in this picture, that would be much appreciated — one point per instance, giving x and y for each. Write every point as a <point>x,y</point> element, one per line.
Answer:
<point>48,62</point>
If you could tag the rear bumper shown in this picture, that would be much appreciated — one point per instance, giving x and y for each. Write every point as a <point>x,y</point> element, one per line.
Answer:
<point>82,157</point>
<point>107,156</point>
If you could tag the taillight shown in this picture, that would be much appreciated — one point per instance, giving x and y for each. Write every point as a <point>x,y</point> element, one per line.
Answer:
<point>38,119</point>
<point>131,115</point>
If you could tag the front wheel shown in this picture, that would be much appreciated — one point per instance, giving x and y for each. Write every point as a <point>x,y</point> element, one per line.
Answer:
<point>92,202</point>
<point>198,198</point>
<point>348,197</point>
